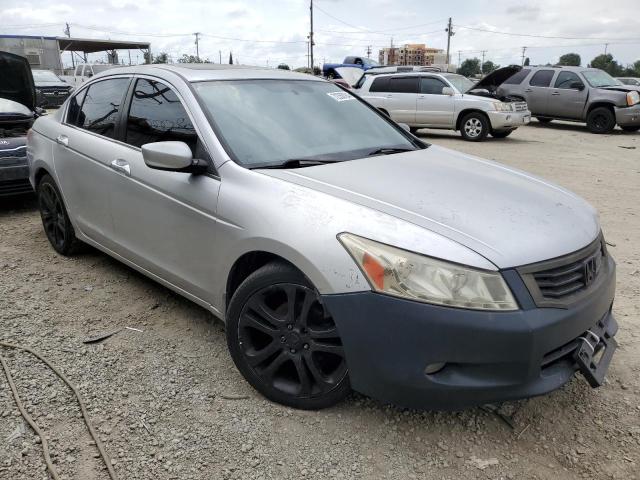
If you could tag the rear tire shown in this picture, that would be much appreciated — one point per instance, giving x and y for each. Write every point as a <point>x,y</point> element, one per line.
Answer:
<point>544,120</point>
<point>501,133</point>
<point>55,220</point>
<point>283,340</point>
<point>474,127</point>
<point>601,120</point>
<point>631,128</point>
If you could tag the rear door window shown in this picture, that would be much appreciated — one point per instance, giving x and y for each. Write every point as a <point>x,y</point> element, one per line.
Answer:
<point>404,84</point>
<point>101,105</point>
<point>542,78</point>
<point>157,115</point>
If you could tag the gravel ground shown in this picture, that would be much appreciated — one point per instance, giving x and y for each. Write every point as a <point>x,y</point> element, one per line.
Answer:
<point>169,404</point>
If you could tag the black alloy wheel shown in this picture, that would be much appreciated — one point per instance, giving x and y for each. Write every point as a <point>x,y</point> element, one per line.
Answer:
<point>284,341</point>
<point>601,120</point>
<point>55,220</point>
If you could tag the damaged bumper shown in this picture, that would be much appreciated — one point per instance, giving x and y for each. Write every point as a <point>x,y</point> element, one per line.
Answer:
<point>420,355</point>
<point>628,116</point>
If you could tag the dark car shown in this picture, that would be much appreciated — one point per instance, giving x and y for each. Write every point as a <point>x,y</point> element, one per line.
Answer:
<point>17,113</point>
<point>53,90</point>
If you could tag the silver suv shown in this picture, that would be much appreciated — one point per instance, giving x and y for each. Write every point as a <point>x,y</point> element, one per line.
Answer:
<point>423,99</point>
<point>578,94</point>
<point>340,250</point>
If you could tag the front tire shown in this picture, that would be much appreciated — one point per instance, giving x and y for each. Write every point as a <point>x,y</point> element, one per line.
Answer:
<point>474,127</point>
<point>283,340</point>
<point>601,120</point>
<point>55,220</point>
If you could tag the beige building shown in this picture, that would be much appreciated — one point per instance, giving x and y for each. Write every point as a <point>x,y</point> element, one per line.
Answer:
<point>410,54</point>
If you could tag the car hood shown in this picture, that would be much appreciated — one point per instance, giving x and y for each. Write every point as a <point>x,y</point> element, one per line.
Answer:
<point>509,217</point>
<point>496,78</point>
<point>350,74</point>
<point>622,88</point>
<point>16,81</point>
<point>59,84</point>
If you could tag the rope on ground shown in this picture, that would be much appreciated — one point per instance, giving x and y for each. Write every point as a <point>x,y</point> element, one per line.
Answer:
<point>27,417</point>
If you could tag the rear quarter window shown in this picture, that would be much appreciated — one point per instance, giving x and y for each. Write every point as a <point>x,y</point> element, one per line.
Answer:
<point>518,77</point>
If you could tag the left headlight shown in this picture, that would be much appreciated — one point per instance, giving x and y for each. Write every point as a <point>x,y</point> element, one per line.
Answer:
<point>503,107</point>
<point>633,98</point>
<point>410,275</point>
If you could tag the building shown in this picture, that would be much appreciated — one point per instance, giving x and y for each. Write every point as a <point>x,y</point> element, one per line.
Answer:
<point>411,54</point>
<point>45,52</point>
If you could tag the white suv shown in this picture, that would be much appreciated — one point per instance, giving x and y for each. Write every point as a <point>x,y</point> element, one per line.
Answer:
<point>443,100</point>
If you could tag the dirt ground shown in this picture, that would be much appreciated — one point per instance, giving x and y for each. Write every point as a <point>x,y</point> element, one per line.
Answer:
<point>169,404</point>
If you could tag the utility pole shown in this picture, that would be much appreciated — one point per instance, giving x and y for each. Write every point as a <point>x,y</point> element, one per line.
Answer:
<point>482,64</point>
<point>311,36</point>
<point>459,58</point>
<point>67,32</point>
<point>220,56</point>
<point>449,35</point>
<point>606,46</point>
<point>197,34</point>
<point>524,49</point>
<point>368,51</point>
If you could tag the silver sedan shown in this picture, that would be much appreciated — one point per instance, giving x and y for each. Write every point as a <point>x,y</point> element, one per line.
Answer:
<point>341,251</point>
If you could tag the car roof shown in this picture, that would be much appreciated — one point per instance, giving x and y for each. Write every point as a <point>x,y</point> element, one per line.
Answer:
<point>561,67</point>
<point>405,74</point>
<point>196,72</point>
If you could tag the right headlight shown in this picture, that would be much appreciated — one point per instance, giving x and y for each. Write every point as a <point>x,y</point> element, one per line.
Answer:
<point>633,98</point>
<point>410,275</point>
<point>503,107</point>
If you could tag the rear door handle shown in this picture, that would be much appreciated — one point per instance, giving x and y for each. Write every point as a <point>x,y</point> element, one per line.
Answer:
<point>555,93</point>
<point>63,140</point>
<point>121,166</point>
<point>528,90</point>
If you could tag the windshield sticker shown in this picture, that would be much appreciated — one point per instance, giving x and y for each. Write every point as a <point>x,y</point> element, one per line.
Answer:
<point>341,96</point>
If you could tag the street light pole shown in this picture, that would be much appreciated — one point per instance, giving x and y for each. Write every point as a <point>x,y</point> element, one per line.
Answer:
<point>311,35</point>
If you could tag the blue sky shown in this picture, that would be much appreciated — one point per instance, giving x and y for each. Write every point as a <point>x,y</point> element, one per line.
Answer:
<point>275,31</point>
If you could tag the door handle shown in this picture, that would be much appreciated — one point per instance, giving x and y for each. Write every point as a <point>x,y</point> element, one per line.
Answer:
<point>121,166</point>
<point>63,140</point>
<point>555,93</point>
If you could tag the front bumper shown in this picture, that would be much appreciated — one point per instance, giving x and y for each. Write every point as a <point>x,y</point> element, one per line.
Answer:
<point>508,120</point>
<point>14,173</point>
<point>628,116</point>
<point>490,356</point>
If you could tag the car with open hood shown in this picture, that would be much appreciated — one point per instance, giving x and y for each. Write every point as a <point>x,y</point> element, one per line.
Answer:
<point>53,90</point>
<point>17,113</point>
<point>434,99</point>
<point>341,251</point>
<point>576,94</point>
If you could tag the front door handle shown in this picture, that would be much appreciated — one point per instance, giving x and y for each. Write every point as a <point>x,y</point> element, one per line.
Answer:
<point>121,166</point>
<point>555,93</point>
<point>63,140</point>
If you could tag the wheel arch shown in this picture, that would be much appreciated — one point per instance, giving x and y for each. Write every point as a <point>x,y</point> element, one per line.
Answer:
<point>467,111</point>
<point>594,105</point>
<point>40,172</point>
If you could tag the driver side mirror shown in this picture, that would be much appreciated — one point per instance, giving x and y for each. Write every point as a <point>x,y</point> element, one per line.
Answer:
<point>577,86</point>
<point>448,91</point>
<point>172,157</point>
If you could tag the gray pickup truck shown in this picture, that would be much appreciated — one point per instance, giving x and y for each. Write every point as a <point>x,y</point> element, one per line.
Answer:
<point>576,94</point>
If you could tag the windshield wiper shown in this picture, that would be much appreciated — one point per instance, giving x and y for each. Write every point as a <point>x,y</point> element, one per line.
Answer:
<point>299,163</point>
<point>389,151</point>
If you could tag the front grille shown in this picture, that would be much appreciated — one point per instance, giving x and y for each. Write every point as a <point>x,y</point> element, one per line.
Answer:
<point>561,281</point>
<point>15,187</point>
<point>19,152</point>
<point>569,279</point>
<point>520,106</point>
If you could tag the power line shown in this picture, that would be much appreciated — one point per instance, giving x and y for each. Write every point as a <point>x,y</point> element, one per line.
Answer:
<point>542,36</point>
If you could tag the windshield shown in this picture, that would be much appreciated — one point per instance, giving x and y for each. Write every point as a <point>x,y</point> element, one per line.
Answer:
<point>267,122</point>
<point>100,68</point>
<point>599,78</point>
<point>462,84</point>
<point>44,76</point>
